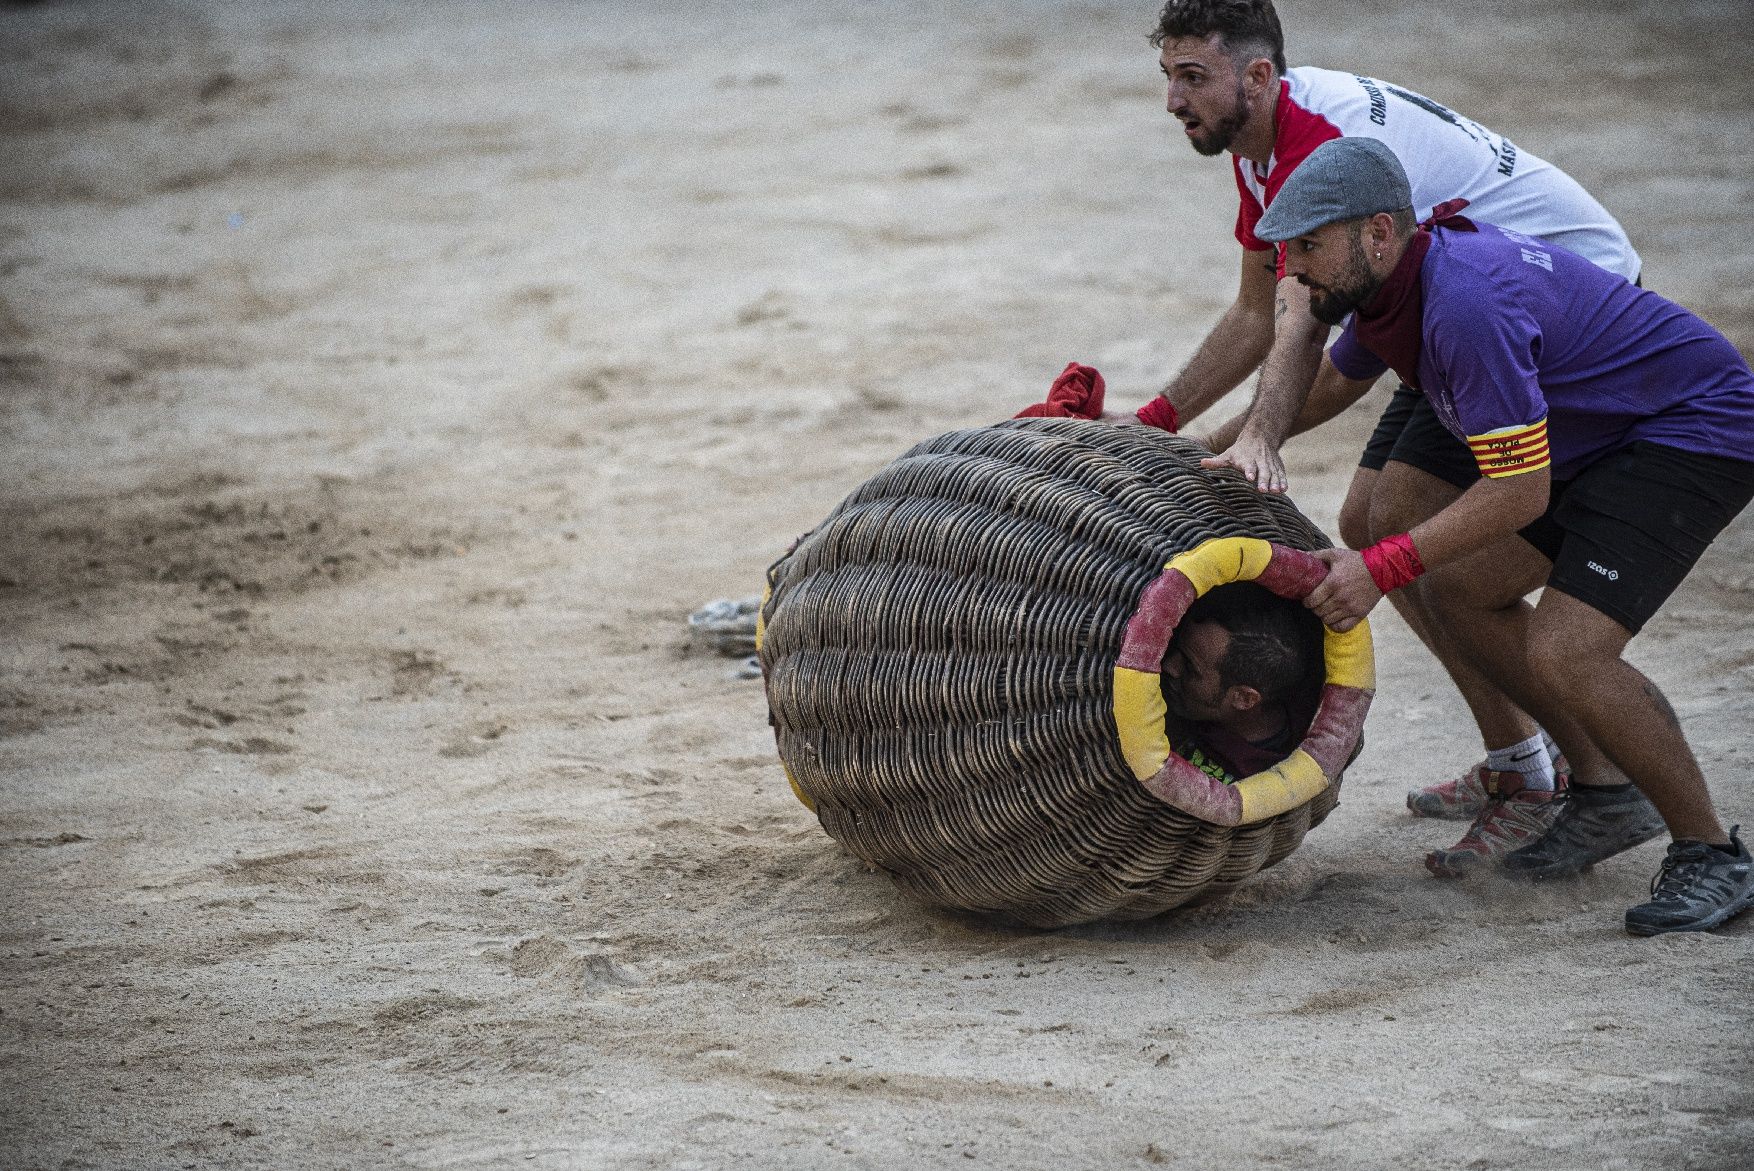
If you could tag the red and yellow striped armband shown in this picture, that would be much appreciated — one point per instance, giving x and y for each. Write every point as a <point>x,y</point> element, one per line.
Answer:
<point>1511,451</point>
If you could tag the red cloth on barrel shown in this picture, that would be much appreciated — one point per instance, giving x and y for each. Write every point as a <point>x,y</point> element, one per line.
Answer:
<point>1076,394</point>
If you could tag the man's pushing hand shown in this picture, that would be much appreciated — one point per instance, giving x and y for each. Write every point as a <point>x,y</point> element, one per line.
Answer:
<point>1347,594</point>
<point>1256,459</point>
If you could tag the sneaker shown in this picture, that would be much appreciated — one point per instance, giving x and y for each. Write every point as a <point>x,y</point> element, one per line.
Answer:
<point>1513,816</point>
<point>1698,888</point>
<point>1456,800</point>
<point>1591,825</point>
<point>1464,797</point>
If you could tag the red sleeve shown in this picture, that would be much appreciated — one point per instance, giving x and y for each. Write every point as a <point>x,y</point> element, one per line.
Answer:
<point>1248,212</point>
<point>1299,132</point>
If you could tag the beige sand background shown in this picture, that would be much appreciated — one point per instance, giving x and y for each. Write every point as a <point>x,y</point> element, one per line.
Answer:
<point>385,382</point>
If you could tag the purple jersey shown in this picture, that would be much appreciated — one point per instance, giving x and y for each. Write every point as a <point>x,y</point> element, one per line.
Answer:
<point>1525,346</point>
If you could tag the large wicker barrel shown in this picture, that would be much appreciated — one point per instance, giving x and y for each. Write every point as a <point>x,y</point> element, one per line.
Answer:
<point>962,663</point>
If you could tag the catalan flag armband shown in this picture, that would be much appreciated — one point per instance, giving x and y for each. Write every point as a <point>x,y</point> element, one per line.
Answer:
<point>1511,451</point>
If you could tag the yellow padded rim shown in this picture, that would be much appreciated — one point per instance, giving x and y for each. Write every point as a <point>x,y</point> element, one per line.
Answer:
<point>1139,715</point>
<point>1281,788</point>
<point>1221,561</point>
<point>1139,710</point>
<point>1349,658</point>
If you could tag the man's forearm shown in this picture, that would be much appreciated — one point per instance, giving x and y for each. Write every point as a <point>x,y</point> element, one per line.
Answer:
<point>1290,367</point>
<point>1488,510</point>
<point>1236,345</point>
<point>1230,353</point>
<point>1332,393</point>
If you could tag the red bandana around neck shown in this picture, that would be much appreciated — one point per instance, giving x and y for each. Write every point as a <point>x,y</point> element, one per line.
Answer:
<point>1391,325</point>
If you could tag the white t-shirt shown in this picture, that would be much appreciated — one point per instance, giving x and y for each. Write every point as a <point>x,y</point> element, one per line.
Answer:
<point>1446,156</point>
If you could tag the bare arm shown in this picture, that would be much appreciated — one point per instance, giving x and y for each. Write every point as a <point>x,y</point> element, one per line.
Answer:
<point>1285,380</point>
<point>1332,393</point>
<point>1236,345</point>
<point>1487,511</point>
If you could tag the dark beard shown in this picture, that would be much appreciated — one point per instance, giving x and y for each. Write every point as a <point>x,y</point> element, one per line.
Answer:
<point>1336,306</point>
<point>1340,301</point>
<point>1224,133</point>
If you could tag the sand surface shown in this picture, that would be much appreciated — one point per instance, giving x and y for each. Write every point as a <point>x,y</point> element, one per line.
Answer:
<point>384,383</point>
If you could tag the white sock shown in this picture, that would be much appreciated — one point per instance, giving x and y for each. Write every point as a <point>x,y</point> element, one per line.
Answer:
<point>1528,757</point>
<point>1553,752</point>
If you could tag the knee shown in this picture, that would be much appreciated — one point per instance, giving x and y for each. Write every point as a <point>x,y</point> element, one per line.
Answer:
<point>1355,522</point>
<point>1452,588</point>
<point>1391,513</point>
<point>1402,497</point>
<point>1553,662</point>
<point>1574,651</point>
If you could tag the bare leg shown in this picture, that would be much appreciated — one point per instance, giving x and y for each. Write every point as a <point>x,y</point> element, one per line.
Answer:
<point>1478,605</point>
<point>1575,652</point>
<point>1400,496</point>
<point>1355,510</point>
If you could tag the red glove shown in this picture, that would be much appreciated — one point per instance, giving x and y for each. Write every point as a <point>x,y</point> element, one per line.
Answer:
<point>1076,394</point>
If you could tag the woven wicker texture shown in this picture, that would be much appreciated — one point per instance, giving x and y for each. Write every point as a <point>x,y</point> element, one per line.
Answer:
<point>938,657</point>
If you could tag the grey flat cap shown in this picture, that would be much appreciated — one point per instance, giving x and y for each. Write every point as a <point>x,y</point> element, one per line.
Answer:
<point>1342,179</point>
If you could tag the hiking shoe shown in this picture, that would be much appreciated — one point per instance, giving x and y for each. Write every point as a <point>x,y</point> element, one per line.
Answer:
<point>1464,797</point>
<point>1456,800</point>
<point>1591,825</point>
<point>1699,887</point>
<point>1513,816</point>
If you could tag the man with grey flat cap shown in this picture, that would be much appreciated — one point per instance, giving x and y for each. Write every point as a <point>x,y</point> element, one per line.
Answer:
<point>1228,84</point>
<point>1611,428</point>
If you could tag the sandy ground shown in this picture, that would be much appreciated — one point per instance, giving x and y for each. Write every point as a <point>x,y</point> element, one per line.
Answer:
<point>385,382</point>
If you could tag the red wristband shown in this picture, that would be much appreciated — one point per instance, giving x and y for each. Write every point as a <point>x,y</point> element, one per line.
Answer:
<point>1159,413</point>
<point>1393,562</point>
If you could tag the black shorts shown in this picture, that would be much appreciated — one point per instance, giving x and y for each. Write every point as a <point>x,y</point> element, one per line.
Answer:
<point>1623,532</point>
<point>1410,433</point>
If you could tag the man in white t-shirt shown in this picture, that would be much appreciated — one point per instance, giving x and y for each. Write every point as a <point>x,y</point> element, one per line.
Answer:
<point>1229,87</point>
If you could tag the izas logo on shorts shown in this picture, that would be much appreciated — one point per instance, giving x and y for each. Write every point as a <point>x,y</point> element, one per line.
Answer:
<point>1610,574</point>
